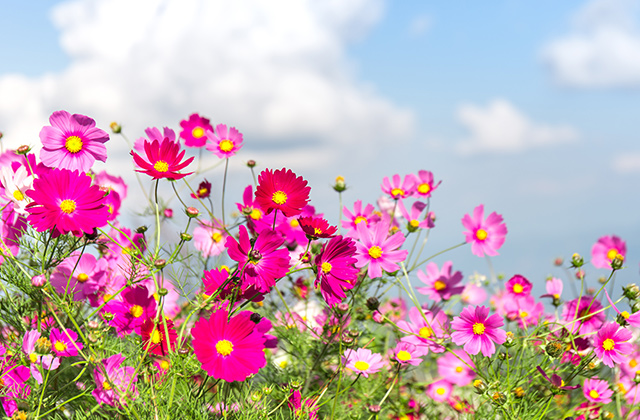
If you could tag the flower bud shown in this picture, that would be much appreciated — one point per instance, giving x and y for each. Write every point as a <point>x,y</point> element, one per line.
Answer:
<point>377,317</point>
<point>602,280</point>
<point>267,390</point>
<point>577,261</point>
<point>108,316</point>
<point>617,261</point>
<point>1,135</point>
<point>163,292</point>
<point>510,341</point>
<point>192,212</point>
<point>141,229</point>
<point>554,349</point>
<point>168,213</point>
<point>374,408</point>
<point>339,185</point>
<point>255,318</point>
<point>342,307</point>
<point>499,398</point>
<point>631,291</point>
<point>160,263</point>
<point>580,274</point>
<point>23,150</point>
<point>518,392</point>
<point>558,261</point>
<point>635,307</point>
<point>373,303</point>
<point>295,384</point>
<point>115,127</point>
<point>480,386</point>
<point>251,163</point>
<point>347,340</point>
<point>39,280</point>
<point>184,236</point>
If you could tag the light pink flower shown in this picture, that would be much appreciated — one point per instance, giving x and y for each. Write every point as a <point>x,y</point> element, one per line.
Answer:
<point>359,215</point>
<point>439,390</point>
<point>606,249</point>
<point>362,361</point>
<point>425,330</point>
<point>209,238</point>
<point>407,354</point>
<point>441,284</point>
<point>379,251</point>
<point>224,143</point>
<point>397,189</point>
<point>596,390</point>
<point>486,236</point>
<point>457,367</point>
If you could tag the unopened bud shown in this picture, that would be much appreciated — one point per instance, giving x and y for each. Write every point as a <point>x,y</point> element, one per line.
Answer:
<point>1,135</point>
<point>184,236</point>
<point>558,261</point>
<point>342,307</point>
<point>160,263</point>
<point>499,398</point>
<point>108,316</point>
<point>255,318</point>
<point>339,185</point>
<point>163,292</point>
<point>577,261</point>
<point>23,150</point>
<point>374,408</point>
<point>580,274</point>
<point>377,317</point>
<point>295,384</point>
<point>141,229</point>
<point>115,127</point>
<point>168,213</point>
<point>510,340</point>
<point>518,392</point>
<point>251,163</point>
<point>373,303</point>
<point>602,280</point>
<point>554,348</point>
<point>347,340</point>
<point>192,212</point>
<point>617,262</point>
<point>631,291</point>
<point>480,386</point>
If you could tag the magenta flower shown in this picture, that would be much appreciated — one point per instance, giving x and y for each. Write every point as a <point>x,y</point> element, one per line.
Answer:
<point>556,380</point>
<point>65,201</point>
<point>457,367</point>
<point>114,382</point>
<point>413,218</point>
<point>72,142</point>
<point>130,313</point>
<point>407,354</point>
<point>366,216</point>
<point>362,361</point>
<point>13,379</point>
<point>282,190</point>
<point>336,272</point>
<point>317,227</point>
<point>396,189</point>
<point>425,330</point>
<point>203,191</point>
<point>588,309</point>
<point>380,252</point>
<point>476,330</point>
<point>610,344</point>
<point>209,238</point>
<point>194,130</point>
<point>64,343</point>
<point>597,391</point>
<point>79,275</point>
<point>163,160</point>
<point>485,236</point>
<point>441,284</point>
<point>606,249</point>
<point>262,263</point>
<point>229,349</point>
<point>518,286</point>
<point>224,143</point>
<point>631,319</point>
<point>424,184</point>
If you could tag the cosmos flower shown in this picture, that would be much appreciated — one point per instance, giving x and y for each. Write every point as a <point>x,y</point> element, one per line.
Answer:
<point>38,351</point>
<point>413,218</point>
<point>518,286</point>
<point>523,309</point>
<point>556,380</point>
<point>359,215</point>
<point>130,313</point>
<point>631,319</point>
<point>379,251</point>
<point>79,275</point>
<point>362,361</point>
<point>209,238</point>
<point>424,330</point>
<point>407,354</point>
<point>163,160</point>
<point>65,201</point>
<point>282,190</point>
<point>424,184</point>
<point>441,284</point>
<point>476,330</point>
<point>606,249</point>
<point>194,130</point>
<point>486,236</point>
<point>203,191</point>
<point>14,386</point>
<point>64,343</point>
<point>439,390</point>
<point>16,185</point>
<point>586,318</point>
<point>336,272</point>
<point>554,288</point>
<point>224,143</point>
<point>114,382</point>
<point>597,390</point>
<point>316,227</point>
<point>611,344</point>
<point>230,349</point>
<point>396,189</point>
<point>72,142</point>
<point>155,339</point>
<point>457,367</point>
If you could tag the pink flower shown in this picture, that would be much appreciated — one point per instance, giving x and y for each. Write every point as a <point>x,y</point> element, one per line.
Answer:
<point>413,219</point>
<point>15,186</point>
<point>114,382</point>
<point>282,190</point>
<point>194,130</point>
<point>554,288</point>
<point>163,160</point>
<point>596,390</point>
<point>224,143</point>
<point>476,330</point>
<point>38,351</point>
<point>209,238</point>
<point>631,319</point>
<point>441,284</point>
<point>425,329</point>
<point>407,354</point>
<point>65,201</point>
<point>366,216</point>
<point>586,318</point>
<point>424,184</point>
<point>13,379</point>
<point>524,309</point>
<point>260,263</point>
<point>362,361</point>
<point>610,344</point>
<point>457,367</point>
<point>396,189</point>
<point>606,249</point>
<point>395,309</point>
<point>336,272</point>
<point>64,343</point>
<point>473,294</point>
<point>485,236</point>
<point>378,250</point>
<point>317,227</point>
<point>439,390</point>
<point>72,142</point>
<point>518,286</point>
<point>129,314</point>
<point>229,348</point>
<point>79,275</point>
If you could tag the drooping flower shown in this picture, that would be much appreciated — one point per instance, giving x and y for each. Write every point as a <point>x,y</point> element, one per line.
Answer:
<point>359,215</point>
<point>209,238</point>
<point>362,361</point>
<point>64,343</point>
<point>115,384</point>
<point>72,142</point>
<point>397,189</point>
<point>79,276</point>
<point>554,288</point>
<point>477,331</point>
<point>163,160</point>
<point>316,227</point>
<point>518,286</point>
<point>486,236</point>
<point>597,390</point>
<point>379,251</point>
<point>611,343</point>
<point>583,315</point>
<point>424,184</point>
<point>456,367</point>
<point>194,130</point>
<point>65,201</point>
<point>441,284</point>
<point>203,191</point>
<point>12,227</point>
<point>425,330</point>
<point>556,380</point>
<point>414,221</point>
<point>282,190</point>
<point>261,263</point>
<point>606,250</point>
<point>156,339</point>
<point>224,143</point>
<point>229,349</point>
<point>631,319</point>
<point>336,272</point>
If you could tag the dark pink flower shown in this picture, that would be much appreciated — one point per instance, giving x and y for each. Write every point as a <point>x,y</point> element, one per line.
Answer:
<point>476,330</point>
<point>130,313</point>
<point>611,343</point>
<point>156,339</point>
<point>203,191</point>
<point>485,236</point>
<point>194,130</point>
<point>336,272</point>
<point>518,286</point>
<point>163,160</point>
<point>583,315</point>
<point>317,227</point>
<point>64,343</point>
<point>115,384</point>
<point>282,190</point>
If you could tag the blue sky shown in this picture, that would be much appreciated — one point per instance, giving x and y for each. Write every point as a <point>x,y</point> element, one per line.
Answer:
<point>528,107</point>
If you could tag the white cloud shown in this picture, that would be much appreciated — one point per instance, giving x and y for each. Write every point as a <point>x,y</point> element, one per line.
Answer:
<point>627,163</point>
<point>277,70</point>
<point>602,49</point>
<point>501,128</point>
<point>419,25</point>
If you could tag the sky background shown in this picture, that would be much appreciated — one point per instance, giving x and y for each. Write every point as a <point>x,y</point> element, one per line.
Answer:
<point>528,107</point>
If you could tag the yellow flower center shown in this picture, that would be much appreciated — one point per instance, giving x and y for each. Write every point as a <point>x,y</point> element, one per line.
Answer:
<point>33,357</point>
<point>625,314</point>
<point>326,267</point>
<point>161,166</point>
<point>403,355</point>
<point>68,206</point>
<point>424,188</point>
<point>608,344</point>
<point>440,391</point>
<point>517,288</point>
<point>197,132</point>
<point>425,332</point>
<point>481,234</point>
<point>621,388</point>
<point>106,386</point>
<point>478,328</point>
<point>414,223</point>
<point>360,365</point>
<point>216,236</point>
<point>361,219</point>
<point>317,231</point>
<point>73,144</point>
<point>633,363</point>
<point>224,347</point>
<point>202,191</point>
<point>156,337</point>
<point>459,369</point>
<point>612,254</point>
<point>397,192</point>
<point>439,285</point>
<point>60,346</point>
<point>136,311</point>
<point>82,277</point>
<point>255,214</point>
<point>164,365</point>
<point>294,223</point>
<point>226,145</point>
<point>524,314</point>
<point>279,197</point>
<point>17,194</point>
<point>594,394</point>
<point>375,252</point>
